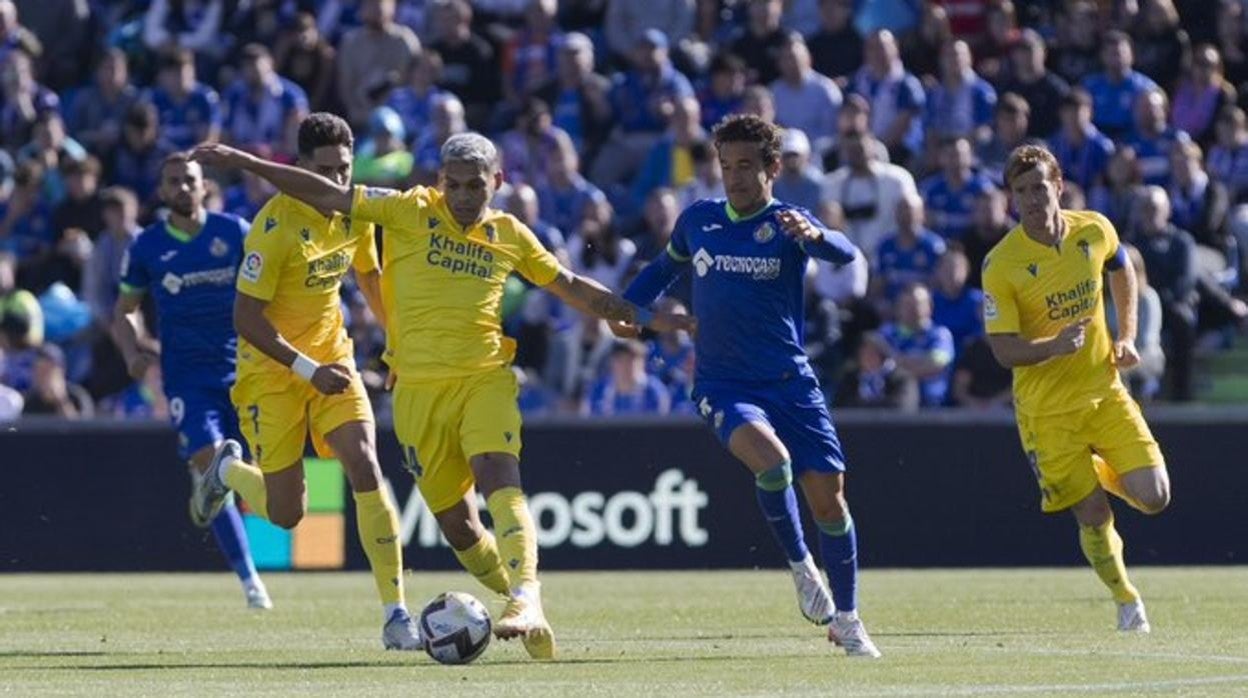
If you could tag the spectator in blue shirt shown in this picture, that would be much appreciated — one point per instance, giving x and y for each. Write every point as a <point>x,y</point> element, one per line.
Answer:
<point>669,162</point>
<point>724,91</point>
<point>1153,138</point>
<point>24,100</point>
<point>1228,158</point>
<point>95,113</point>
<point>955,305</point>
<point>1080,148</point>
<point>1115,91</point>
<point>262,107</point>
<point>908,256</point>
<point>799,183</point>
<point>190,111</point>
<point>136,161</point>
<point>414,100</point>
<point>950,194</point>
<point>628,389</point>
<point>1011,120</point>
<point>805,100</point>
<point>642,99</point>
<point>961,104</point>
<point>920,346</point>
<point>896,97</point>
<point>567,193</point>
<point>578,96</point>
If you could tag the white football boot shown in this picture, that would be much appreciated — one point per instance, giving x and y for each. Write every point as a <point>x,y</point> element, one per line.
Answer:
<point>257,596</point>
<point>524,618</point>
<point>813,598</point>
<point>208,493</point>
<point>1132,619</point>
<point>400,632</point>
<point>846,630</point>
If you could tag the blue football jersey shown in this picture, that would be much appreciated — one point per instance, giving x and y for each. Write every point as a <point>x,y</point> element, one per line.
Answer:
<point>192,282</point>
<point>747,292</point>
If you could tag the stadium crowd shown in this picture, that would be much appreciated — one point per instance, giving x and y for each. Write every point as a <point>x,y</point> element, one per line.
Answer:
<point>899,117</point>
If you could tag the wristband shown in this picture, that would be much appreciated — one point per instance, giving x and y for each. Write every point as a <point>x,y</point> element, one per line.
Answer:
<point>642,317</point>
<point>303,366</point>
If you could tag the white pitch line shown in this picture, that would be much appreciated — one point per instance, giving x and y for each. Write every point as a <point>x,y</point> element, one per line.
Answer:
<point>1006,689</point>
<point>1176,656</point>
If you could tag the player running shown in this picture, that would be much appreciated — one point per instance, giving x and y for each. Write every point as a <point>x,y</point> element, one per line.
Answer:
<point>1045,316</point>
<point>188,263</point>
<point>753,382</point>
<point>447,256</point>
<point>295,367</point>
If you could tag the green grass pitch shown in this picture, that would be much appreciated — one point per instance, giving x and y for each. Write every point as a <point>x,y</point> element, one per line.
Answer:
<point>950,632</point>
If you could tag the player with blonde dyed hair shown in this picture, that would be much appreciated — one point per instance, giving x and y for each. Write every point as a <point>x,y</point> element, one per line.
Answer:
<point>1045,317</point>
<point>447,257</point>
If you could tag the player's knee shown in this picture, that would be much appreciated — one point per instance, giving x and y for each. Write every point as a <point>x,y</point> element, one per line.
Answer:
<point>1155,501</point>
<point>286,517</point>
<point>830,510</point>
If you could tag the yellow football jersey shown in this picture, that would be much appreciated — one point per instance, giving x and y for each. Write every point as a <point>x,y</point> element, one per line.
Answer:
<point>295,259</point>
<point>443,285</point>
<point>1035,290</point>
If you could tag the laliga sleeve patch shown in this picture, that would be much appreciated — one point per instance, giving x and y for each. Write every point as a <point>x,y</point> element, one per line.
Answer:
<point>253,264</point>
<point>990,307</point>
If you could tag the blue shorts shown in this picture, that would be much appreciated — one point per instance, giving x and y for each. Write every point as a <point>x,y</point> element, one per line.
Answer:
<point>794,409</point>
<point>203,417</point>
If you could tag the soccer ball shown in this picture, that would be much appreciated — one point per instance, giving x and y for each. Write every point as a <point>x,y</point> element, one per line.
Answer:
<point>455,627</point>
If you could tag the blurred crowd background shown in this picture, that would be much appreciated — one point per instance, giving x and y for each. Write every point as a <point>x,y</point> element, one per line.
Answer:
<point>899,117</point>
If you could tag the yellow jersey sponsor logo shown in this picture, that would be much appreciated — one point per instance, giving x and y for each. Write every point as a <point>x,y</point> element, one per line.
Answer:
<point>459,256</point>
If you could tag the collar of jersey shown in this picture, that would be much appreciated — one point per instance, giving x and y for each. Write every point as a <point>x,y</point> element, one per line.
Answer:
<point>181,235</point>
<point>737,217</point>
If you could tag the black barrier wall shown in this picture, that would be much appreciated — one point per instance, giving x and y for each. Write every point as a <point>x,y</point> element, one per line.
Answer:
<point>935,490</point>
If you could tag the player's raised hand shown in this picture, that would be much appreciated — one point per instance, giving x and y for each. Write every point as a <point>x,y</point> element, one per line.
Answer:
<point>332,379</point>
<point>798,226</point>
<point>1071,338</point>
<point>1125,354</point>
<point>220,156</point>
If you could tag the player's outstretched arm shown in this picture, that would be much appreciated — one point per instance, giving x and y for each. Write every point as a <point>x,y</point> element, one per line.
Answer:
<point>816,239</point>
<point>308,187</point>
<point>654,279</point>
<point>255,328</point>
<point>591,297</point>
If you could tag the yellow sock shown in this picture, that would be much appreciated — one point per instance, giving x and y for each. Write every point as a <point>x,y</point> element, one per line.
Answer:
<point>247,480</point>
<point>1103,547</point>
<point>483,562</point>
<point>516,534</point>
<point>379,534</point>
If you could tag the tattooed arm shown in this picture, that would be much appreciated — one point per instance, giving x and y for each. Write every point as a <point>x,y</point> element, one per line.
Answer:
<point>592,298</point>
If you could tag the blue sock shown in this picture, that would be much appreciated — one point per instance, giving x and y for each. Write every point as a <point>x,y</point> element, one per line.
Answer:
<point>774,489</point>
<point>838,543</point>
<point>232,539</point>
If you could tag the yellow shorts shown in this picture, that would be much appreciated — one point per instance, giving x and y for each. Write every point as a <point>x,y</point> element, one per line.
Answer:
<point>276,413</point>
<point>1060,447</point>
<point>440,424</point>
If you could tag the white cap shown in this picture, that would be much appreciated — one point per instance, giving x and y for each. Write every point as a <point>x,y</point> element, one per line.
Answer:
<point>795,142</point>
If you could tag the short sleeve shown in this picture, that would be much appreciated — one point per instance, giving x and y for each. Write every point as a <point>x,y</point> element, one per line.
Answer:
<point>536,264</point>
<point>365,259</point>
<point>390,208</point>
<point>1111,236</point>
<point>1000,307</point>
<point>264,251</point>
<point>678,243</point>
<point>135,276</point>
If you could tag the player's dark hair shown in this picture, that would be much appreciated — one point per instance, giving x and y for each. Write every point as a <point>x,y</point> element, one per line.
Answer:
<point>747,128</point>
<point>321,129</point>
<point>176,158</point>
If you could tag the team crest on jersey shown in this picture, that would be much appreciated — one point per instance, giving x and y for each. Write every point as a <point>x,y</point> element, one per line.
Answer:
<point>1085,248</point>
<point>253,263</point>
<point>434,223</point>
<point>764,232</point>
<point>218,247</point>
<point>269,224</point>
